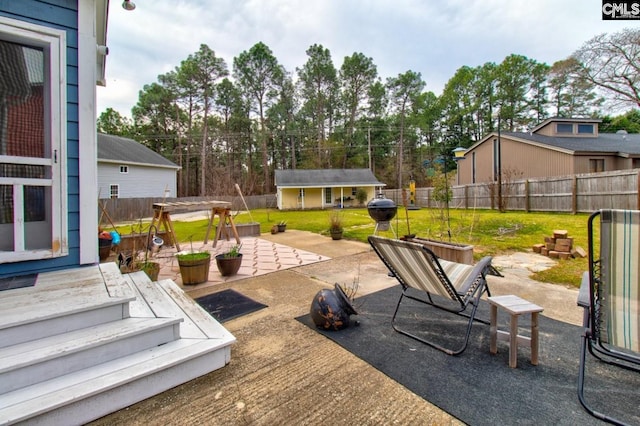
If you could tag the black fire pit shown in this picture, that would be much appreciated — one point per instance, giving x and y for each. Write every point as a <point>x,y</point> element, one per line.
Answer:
<point>382,210</point>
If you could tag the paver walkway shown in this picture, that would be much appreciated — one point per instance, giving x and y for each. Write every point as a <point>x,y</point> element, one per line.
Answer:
<point>259,257</point>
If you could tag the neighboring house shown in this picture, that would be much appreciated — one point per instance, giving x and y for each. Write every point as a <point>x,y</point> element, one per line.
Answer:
<point>556,147</point>
<point>313,189</point>
<point>128,169</point>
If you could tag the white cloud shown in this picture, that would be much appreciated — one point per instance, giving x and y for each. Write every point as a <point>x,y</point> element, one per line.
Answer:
<point>432,37</point>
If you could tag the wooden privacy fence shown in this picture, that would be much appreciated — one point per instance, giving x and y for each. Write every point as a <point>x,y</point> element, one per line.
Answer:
<point>131,209</point>
<point>581,193</point>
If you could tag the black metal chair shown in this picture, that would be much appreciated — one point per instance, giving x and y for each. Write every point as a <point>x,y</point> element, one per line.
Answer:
<point>610,296</point>
<point>450,286</point>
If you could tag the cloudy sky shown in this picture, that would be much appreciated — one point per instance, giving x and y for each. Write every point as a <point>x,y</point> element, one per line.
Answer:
<point>432,37</point>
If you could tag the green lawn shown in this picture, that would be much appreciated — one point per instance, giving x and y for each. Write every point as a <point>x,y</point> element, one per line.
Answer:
<point>489,231</point>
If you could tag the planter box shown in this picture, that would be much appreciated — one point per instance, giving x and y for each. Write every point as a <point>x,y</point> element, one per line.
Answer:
<point>244,229</point>
<point>130,242</point>
<point>452,252</point>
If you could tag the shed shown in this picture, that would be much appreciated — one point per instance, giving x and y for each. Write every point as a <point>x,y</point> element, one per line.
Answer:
<point>323,188</point>
<point>128,169</point>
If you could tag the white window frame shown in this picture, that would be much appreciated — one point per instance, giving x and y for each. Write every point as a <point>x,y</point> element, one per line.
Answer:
<point>124,169</point>
<point>111,191</point>
<point>328,196</point>
<point>54,44</point>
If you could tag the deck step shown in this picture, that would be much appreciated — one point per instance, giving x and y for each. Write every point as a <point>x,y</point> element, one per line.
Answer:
<point>82,344</point>
<point>85,395</point>
<point>31,362</point>
<point>22,322</point>
<point>166,299</point>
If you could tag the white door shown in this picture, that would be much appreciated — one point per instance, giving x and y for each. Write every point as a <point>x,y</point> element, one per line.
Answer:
<point>32,131</point>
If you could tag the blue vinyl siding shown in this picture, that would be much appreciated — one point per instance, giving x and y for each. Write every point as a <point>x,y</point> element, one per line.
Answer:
<point>56,13</point>
<point>60,14</point>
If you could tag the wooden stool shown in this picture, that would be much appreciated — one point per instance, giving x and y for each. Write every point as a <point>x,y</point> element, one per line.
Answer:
<point>515,306</point>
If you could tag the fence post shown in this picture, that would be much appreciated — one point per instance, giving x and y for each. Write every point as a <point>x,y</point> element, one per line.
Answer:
<point>466,196</point>
<point>527,199</point>
<point>638,191</point>
<point>574,195</point>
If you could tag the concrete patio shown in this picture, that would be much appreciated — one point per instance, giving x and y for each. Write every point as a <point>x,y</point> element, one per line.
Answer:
<point>281,371</point>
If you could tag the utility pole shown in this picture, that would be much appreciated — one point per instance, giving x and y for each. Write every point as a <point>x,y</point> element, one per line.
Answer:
<point>499,160</point>
<point>369,145</point>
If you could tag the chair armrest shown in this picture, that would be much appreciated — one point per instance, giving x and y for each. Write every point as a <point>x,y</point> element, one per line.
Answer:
<point>479,269</point>
<point>484,265</point>
<point>584,300</point>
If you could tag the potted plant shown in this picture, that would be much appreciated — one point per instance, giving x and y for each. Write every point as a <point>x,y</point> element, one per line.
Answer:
<point>152,269</point>
<point>229,263</point>
<point>104,244</point>
<point>135,260</point>
<point>361,196</point>
<point>194,266</point>
<point>335,225</point>
<point>282,226</point>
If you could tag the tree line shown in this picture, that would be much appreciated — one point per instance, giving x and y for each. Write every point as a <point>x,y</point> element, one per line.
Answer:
<point>227,126</point>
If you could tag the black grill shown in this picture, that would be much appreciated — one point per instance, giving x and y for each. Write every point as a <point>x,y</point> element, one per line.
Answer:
<point>382,209</point>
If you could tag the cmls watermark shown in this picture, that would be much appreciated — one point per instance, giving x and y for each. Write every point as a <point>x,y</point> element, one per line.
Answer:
<point>621,10</point>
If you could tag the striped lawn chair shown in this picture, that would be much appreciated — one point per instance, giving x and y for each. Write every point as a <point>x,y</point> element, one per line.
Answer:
<point>450,286</point>
<point>610,296</point>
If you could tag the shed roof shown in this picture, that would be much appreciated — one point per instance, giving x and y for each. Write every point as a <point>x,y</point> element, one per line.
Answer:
<point>116,149</point>
<point>565,120</point>
<point>321,178</point>
<point>613,143</point>
<point>622,144</point>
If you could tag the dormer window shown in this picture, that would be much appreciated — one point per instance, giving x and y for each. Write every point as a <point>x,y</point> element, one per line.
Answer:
<point>564,128</point>
<point>585,129</point>
<point>567,127</point>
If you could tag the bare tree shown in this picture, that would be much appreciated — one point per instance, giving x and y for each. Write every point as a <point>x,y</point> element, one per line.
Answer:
<point>612,62</point>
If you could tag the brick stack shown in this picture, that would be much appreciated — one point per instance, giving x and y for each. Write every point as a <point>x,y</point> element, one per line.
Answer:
<point>560,246</point>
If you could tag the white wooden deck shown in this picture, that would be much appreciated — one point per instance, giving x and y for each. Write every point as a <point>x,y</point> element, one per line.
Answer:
<point>85,342</point>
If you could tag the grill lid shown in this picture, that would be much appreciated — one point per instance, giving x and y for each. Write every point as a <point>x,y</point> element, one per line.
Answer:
<point>382,209</point>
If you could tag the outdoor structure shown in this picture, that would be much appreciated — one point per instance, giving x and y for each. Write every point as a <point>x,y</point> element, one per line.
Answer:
<point>100,340</point>
<point>556,147</point>
<point>128,169</point>
<point>319,189</point>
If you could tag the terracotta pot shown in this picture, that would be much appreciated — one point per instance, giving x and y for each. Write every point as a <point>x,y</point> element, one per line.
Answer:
<point>228,266</point>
